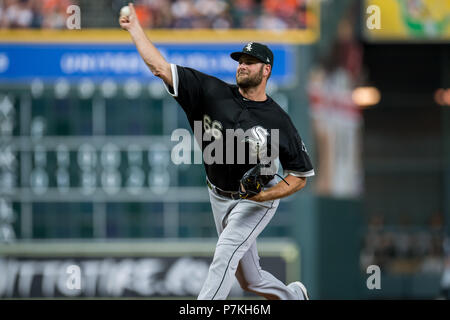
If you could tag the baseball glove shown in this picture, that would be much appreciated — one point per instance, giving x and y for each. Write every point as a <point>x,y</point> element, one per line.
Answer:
<point>253,181</point>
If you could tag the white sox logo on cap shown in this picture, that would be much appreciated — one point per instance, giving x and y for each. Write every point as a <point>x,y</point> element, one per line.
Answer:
<point>257,50</point>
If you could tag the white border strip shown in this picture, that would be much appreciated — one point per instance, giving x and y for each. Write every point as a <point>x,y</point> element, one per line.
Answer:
<point>174,69</point>
<point>300,174</point>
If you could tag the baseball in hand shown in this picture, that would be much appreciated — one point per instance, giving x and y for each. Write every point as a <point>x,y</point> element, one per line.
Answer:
<point>125,11</point>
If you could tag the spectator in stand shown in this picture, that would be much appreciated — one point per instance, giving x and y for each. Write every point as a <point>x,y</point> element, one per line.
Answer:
<point>372,242</point>
<point>243,13</point>
<point>385,253</point>
<point>216,13</point>
<point>183,13</point>
<point>434,261</point>
<point>37,9</point>
<point>270,21</point>
<point>200,14</point>
<point>286,14</point>
<point>282,9</point>
<point>144,13</point>
<point>154,13</point>
<point>54,13</point>
<point>16,14</point>
<point>404,237</point>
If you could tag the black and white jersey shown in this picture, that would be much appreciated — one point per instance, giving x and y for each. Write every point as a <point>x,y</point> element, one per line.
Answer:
<point>220,106</point>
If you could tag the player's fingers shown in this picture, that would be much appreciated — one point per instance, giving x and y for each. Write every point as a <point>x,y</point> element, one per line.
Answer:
<point>123,20</point>
<point>132,11</point>
<point>125,26</point>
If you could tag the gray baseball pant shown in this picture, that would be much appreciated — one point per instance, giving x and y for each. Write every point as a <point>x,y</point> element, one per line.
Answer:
<point>238,223</point>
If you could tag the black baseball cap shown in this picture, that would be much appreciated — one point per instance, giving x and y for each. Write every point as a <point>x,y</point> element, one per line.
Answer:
<point>257,50</point>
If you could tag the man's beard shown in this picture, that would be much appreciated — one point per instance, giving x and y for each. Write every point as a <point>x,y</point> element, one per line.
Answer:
<point>250,81</point>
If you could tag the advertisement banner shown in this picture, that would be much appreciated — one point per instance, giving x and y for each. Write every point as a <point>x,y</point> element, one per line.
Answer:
<point>119,62</point>
<point>407,20</point>
<point>115,273</point>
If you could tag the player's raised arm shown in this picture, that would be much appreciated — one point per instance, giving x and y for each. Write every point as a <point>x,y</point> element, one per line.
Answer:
<point>151,56</point>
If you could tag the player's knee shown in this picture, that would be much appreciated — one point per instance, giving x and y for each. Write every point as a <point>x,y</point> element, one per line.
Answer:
<point>250,287</point>
<point>245,285</point>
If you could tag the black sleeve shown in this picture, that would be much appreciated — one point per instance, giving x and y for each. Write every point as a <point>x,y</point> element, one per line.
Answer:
<point>294,156</point>
<point>188,89</point>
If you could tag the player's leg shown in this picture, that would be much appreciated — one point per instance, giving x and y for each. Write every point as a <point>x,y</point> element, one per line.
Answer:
<point>221,207</point>
<point>254,279</point>
<point>244,223</point>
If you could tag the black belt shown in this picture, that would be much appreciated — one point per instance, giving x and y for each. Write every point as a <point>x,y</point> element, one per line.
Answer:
<point>227,194</point>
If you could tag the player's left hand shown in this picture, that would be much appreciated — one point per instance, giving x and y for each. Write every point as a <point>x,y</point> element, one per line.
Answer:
<point>252,183</point>
<point>258,198</point>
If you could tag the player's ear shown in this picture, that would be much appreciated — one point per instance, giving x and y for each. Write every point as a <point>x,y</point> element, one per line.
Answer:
<point>267,70</point>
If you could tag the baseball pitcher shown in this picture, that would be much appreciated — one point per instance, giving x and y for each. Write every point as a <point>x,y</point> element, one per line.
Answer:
<point>245,194</point>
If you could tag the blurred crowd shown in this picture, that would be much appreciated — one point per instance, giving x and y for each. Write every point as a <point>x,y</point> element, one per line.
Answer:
<point>215,14</point>
<point>34,13</point>
<point>223,14</point>
<point>402,248</point>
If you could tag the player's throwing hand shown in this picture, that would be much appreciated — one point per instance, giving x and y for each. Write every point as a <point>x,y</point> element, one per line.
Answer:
<point>131,21</point>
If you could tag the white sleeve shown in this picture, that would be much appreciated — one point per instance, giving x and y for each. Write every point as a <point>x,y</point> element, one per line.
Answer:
<point>174,70</point>
<point>300,174</point>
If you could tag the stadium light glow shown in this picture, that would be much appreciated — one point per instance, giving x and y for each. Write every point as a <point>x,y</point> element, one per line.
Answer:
<point>366,96</point>
<point>442,97</point>
<point>447,97</point>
